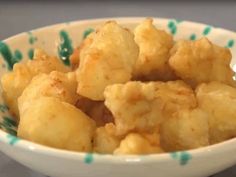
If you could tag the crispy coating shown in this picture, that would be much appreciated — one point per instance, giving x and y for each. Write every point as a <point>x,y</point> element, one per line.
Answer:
<point>13,83</point>
<point>185,129</point>
<point>104,141</point>
<point>43,63</point>
<point>218,100</point>
<point>54,123</point>
<point>109,59</point>
<point>143,106</point>
<point>154,52</point>
<point>74,59</point>
<point>201,61</point>
<point>78,53</point>
<point>56,84</point>
<point>96,110</point>
<point>135,143</point>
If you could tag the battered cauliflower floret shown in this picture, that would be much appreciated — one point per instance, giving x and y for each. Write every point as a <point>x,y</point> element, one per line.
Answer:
<point>185,129</point>
<point>96,110</point>
<point>154,52</point>
<point>218,100</point>
<point>201,61</point>
<point>135,143</point>
<point>13,83</point>
<point>59,85</point>
<point>142,106</point>
<point>109,59</point>
<point>105,141</point>
<point>58,124</point>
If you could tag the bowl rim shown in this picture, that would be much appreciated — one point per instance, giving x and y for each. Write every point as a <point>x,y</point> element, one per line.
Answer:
<point>110,158</point>
<point>127,19</point>
<point>33,147</point>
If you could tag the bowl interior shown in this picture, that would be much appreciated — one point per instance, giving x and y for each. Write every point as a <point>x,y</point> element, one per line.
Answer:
<point>19,48</point>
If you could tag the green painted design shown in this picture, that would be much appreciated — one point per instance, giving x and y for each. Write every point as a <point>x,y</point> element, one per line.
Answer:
<point>3,108</point>
<point>31,54</point>
<point>88,159</point>
<point>12,139</point>
<point>9,125</point>
<point>182,157</point>
<point>172,27</point>
<point>18,55</point>
<point>9,121</point>
<point>65,48</point>
<point>32,38</point>
<point>207,30</point>
<point>6,54</point>
<point>230,43</point>
<point>173,30</point>
<point>87,32</point>
<point>193,37</point>
<point>8,57</point>
<point>171,24</point>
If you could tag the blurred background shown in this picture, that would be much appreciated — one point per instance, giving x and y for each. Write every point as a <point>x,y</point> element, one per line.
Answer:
<point>23,15</point>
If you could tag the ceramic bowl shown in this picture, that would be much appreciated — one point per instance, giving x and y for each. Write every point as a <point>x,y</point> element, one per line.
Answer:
<point>60,163</point>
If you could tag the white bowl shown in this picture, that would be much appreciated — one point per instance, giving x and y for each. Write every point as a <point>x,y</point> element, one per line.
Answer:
<point>60,163</point>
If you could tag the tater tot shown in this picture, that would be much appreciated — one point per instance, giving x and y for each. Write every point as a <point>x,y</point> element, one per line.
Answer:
<point>54,123</point>
<point>56,84</point>
<point>135,143</point>
<point>13,83</point>
<point>104,141</point>
<point>185,129</point>
<point>109,59</point>
<point>219,101</point>
<point>154,52</point>
<point>142,106</point>
<point>201,61</point>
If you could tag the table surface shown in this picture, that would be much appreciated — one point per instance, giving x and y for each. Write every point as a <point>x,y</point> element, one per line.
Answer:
<point>18,16</point>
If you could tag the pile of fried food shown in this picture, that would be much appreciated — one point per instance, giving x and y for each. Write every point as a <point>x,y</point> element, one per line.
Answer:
<point>126,92</point>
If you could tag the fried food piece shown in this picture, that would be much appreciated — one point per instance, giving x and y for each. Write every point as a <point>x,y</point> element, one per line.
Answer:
<point>154,52</point>
<point>13,83</point>
<point>78,53</point>
<point>142,106</point>
<point>105,142</point>
<point>96,110</point>
<point>54,123</point>
<point>135,143</point>
<point>109,59</point>
<point>201,61</point>
<point>74,59</point>
<point>56,84</point>
<point>185,129</point>
<point>218,100</point>
<point>43,63</point>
